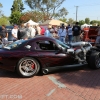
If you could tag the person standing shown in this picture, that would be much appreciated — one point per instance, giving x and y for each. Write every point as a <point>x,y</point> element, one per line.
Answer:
<point>15,32</point>
<point>30,31</point>
<point>97,42</point>
<point>76,32</point>
<point>22,33</point>
<point>42,30</point>
<point>70,34</point>
<point>38,30</point>
<point>47,32</point>
<point>62,33</point>
<point>4,35</point>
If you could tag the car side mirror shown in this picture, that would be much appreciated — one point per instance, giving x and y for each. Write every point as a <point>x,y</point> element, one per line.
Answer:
<point>28,47</point>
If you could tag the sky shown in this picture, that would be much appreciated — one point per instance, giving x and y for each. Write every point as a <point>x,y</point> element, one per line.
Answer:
<point>86,8</point>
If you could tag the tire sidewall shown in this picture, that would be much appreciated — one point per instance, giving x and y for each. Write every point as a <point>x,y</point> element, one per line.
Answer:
<point>92,60</point>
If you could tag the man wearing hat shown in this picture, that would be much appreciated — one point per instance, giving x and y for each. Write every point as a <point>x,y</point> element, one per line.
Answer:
<point>15,32</point>
<point>62,33</point>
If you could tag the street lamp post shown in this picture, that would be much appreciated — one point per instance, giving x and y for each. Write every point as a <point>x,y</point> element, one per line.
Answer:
<point>76,12</point>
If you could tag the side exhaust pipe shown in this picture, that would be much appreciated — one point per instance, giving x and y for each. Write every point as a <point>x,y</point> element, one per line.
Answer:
<point>45,71</point>
<point>52,69</point>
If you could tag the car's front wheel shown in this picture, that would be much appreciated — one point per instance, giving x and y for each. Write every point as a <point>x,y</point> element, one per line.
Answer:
<point>94,60</point>
<point>28,67</point>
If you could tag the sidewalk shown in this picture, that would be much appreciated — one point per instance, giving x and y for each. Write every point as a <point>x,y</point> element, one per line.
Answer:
<point>71,84</point>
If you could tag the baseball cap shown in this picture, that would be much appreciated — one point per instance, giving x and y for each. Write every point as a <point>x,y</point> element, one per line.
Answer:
<point>15,25</point>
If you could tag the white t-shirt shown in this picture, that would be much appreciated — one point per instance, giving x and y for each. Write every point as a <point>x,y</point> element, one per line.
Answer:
<point>33,32</point>
<point>14,32</point>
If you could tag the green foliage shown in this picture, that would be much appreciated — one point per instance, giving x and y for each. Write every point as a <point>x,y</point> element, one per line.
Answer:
<point>14,18</point>
<point>1,10</point>
<point>33,15</point>
<point>17,6</point>
<point>81,22</point>
<point>48,8</point>
<point>99,23</point>
<point>4,21</point>
<point>16,11</point>
<point>70,21</point>
<point>87,20</point>
<point>95,22</point>
<point>61,13</point>
<point>63,20</point>
<point>1,5</point>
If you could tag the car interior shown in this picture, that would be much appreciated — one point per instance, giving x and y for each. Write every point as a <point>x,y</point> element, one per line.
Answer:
<point>47,45</point>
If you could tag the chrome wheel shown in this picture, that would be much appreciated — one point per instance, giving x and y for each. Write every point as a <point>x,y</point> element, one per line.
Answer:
<point>27,67</point>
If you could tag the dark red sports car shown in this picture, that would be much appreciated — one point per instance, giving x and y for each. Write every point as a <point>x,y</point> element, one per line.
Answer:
<point>28,57</point>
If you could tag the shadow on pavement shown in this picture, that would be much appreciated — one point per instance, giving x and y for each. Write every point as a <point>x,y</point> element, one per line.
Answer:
<point>82,76</point>
<point>4,73</point>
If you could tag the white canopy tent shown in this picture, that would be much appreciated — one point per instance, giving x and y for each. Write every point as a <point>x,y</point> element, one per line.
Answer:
<point>85,25</point>
<point>31,23</point>
<point>52,22</point>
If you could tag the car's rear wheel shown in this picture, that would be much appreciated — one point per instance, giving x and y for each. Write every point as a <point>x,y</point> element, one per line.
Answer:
<point>28,67</point>
<point>94,60</point>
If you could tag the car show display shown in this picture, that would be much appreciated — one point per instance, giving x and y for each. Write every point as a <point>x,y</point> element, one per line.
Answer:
<point>42,54</point>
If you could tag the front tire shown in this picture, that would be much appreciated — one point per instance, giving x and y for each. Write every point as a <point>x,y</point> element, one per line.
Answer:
<point>28,67</point>
<point>94,60</point>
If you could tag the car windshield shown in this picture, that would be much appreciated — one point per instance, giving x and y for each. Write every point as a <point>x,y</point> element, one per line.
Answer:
<point>14,44</point>
<point>62,44</point>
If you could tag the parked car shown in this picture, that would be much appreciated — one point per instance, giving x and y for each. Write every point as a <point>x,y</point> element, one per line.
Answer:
<point>29,57</point>
<point>91,35</point>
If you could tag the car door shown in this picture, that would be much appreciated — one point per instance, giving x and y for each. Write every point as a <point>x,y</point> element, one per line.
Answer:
<point>49,56</point>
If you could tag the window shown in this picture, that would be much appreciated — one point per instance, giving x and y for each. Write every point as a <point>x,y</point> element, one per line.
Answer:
<point>47,45</point>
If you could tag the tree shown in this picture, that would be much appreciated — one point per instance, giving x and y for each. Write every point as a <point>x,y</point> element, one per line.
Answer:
<point>4,20</point>
<point>94,22</point>
<point>63,20</point>
<point>17,6</point>
<point>16,11</point>
<point>33,15</point>
<point>61,13</point>
<point>70,21</point>
<point>47,7</point>
<point>81,22</point>
<point>0,9</point>
<point>98,22</point>
<point>14,18</point>
<point>87,20</point>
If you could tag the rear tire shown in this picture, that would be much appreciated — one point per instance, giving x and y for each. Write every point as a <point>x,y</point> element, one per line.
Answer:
<point>94,60</point>
<point>27,67</point>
